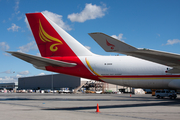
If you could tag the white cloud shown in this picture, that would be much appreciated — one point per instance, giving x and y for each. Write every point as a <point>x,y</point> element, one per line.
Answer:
<point>119,37</point>
<point>8,79</point>
<point>4,46</point>
<point>16,11</point>
<point>174,41</point>
<point>26,48</point>
<point>57,19</point>
<point>14,28</point>
<point>18,76</point>
<point>16,7</point>
<point>88,47</point>
<point>41,74</point>
<point>38,54</point>
<point>20,17</point>
<point>90,12</point>
<point>27,23</point>
<point>6,54</point>
<point>23,73</point>
<point>7,72</point>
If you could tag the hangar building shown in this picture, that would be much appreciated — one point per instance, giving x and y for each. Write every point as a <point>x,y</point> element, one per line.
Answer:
<point>8,86</point>
<point>54,81</point>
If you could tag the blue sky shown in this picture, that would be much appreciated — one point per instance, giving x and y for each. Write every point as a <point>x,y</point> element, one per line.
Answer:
<point>152,24</point>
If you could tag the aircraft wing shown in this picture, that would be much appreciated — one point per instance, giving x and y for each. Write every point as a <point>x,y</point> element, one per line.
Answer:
<point>41,61</point>
<point>110,44</point>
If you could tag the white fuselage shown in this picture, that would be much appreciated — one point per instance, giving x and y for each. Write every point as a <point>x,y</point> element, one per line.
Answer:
<point>125,65</point>
<point>131,71</point>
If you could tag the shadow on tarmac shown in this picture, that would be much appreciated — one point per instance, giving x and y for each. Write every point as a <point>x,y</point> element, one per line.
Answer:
<point>146,101</point>
<point>71,99</point>
<point>118,98</point>
<point>173,103</point>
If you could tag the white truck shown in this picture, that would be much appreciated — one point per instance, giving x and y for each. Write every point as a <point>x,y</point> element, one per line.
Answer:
<point>165,93</point>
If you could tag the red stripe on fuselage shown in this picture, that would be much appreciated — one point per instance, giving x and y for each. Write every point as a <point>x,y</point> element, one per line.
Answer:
<point>143,76</point>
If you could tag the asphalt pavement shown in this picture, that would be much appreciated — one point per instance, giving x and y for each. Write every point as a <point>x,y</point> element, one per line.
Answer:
<point>37,106</point>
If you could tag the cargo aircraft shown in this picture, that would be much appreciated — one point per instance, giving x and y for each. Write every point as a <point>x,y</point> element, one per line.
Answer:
<point>61,53</point>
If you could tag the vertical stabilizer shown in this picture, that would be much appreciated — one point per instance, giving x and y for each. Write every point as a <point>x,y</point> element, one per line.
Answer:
<point>53,40</point>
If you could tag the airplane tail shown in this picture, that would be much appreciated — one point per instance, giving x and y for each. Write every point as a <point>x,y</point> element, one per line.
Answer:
<point>52,40</point>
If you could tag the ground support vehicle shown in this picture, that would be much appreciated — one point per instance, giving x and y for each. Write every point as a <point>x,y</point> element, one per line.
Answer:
<point>166,93</point>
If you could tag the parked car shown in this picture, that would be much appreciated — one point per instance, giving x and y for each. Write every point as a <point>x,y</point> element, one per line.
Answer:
<point>165,93</point>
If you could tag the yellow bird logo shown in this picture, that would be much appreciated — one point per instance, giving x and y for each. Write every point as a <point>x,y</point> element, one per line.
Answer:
<point>47,38</point>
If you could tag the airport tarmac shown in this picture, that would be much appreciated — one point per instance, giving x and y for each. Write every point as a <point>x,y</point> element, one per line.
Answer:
<point>37,106</point>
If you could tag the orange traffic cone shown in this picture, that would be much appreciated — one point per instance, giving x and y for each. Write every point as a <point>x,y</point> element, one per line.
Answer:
<point>130,95</point>
<point>97,109</point>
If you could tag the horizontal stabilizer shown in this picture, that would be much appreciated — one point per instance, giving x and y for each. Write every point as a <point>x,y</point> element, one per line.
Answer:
<point>40,61</point>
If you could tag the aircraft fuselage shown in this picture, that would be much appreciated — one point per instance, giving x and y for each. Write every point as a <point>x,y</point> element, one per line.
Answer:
<point>120,70</point>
